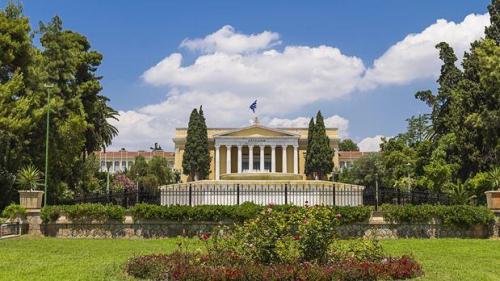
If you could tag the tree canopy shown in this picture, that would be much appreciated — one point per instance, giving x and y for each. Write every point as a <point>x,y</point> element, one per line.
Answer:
<point>65,64</point>
<point>348,145</point>
<point>319,158</point>
<point>196,158</point>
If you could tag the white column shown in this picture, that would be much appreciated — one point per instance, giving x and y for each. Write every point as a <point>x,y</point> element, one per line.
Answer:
<point>273,158</point>
<point>295,159</point>
<point>250,158</point>
<point>217,162</point>
<point>283,148</point>
<point>228,159</point>
<point>239,159</point>
<point>262,147</point>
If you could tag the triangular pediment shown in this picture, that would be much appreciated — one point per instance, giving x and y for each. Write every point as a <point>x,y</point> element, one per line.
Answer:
<point>256,131</point>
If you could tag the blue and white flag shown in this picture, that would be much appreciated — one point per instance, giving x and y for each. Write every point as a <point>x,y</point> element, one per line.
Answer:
<point>253,106</point>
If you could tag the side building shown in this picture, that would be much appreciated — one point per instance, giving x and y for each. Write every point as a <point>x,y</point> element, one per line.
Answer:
<point>120,161</point>
<point>347,158</point>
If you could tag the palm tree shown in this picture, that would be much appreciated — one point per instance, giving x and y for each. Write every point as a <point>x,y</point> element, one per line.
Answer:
<point>460,195</point>
<point>29,177</point>
<point>494,178</point>
<point>100,132</point>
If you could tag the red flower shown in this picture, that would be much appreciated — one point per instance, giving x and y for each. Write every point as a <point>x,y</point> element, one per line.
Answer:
<point>296,237</point>
<point>205,236</point>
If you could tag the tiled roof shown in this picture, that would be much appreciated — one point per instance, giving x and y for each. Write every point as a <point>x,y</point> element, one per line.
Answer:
<point>352,154</point>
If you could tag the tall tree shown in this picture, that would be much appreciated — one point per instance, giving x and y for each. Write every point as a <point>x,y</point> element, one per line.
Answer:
<point>310,133</point>
<point>321,154</point>
<point>348,145</point>
<point>465,110</point>
<point>204,152</point>
<point>18,85</point>
<point>79,114</point>
<point>493,31</point>
<point>190,156</point>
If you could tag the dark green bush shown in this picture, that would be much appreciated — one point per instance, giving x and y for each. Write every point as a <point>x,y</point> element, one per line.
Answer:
<point>84,213</point>
<point>14,210</point>
<point>237,213</point>
<point>51,213</point>
<point>454,215</point>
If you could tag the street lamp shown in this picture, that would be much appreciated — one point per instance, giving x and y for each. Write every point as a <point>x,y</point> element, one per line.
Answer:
<point>137,188</point>
<point>376,191</point>
<point>48,87</point>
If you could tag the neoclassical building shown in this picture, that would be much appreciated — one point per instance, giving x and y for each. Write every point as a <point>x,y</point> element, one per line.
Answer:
<point>254,150</point>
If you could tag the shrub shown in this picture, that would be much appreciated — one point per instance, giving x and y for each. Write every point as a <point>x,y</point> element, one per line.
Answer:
<point>94,212</point>
<point>14,210</point>
<point>361,250</point>
<point>276,236</point>
<point>465,215</point>
<point>454,215</point>
<point>280,243</point>
<point>237,213</point>
<point>51,213</point>
<point>84,213</point>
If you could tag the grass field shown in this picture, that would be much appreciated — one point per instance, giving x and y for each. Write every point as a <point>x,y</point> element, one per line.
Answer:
<point>30,258</point>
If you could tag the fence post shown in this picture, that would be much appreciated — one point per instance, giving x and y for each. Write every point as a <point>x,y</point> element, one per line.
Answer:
<point>286,194</point>
<point>190,194</point>
<point>237,194</point>
<point>334,195</point>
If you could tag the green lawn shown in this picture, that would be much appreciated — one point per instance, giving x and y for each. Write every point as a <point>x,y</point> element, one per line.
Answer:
<point>30,258</point>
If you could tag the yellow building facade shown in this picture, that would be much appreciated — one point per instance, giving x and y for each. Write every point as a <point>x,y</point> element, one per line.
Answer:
<point>255,149</point>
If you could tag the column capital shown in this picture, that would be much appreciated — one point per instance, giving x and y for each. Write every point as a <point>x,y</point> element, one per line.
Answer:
<point>217,146</point>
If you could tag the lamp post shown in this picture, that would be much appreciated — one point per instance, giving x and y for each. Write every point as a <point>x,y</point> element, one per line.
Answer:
<point>137,188</point>
<point>376,191</point>
<point>48,87</point>
<point>108,166</point>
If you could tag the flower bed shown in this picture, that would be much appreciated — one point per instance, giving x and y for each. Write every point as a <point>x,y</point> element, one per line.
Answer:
<point>296,244</point>
<point>194,266</point>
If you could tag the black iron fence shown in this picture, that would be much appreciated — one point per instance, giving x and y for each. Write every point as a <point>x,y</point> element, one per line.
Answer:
<point>300,194</point>
<point>125,199</point>
<point>400,197</point>
<point>282,193</point>
<point>11,229</point>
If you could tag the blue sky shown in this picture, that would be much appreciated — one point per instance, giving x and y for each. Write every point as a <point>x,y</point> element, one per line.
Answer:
<point>134,36</point>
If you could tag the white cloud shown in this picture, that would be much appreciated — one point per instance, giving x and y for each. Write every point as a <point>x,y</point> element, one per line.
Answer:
<point>370,143</point>
<point>233,69</point>
<point>334,121</point>
<point>415,57</point>
<point>295,77</point>
<point>226,40</point>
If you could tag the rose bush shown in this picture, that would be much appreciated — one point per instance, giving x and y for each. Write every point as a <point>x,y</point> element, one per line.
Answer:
<point>296,244</point>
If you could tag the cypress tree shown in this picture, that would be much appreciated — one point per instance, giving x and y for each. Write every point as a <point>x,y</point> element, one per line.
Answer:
<point>189,163</point>
<point>310,133</point>
<point>203,154</point>
<point>320,157</point>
